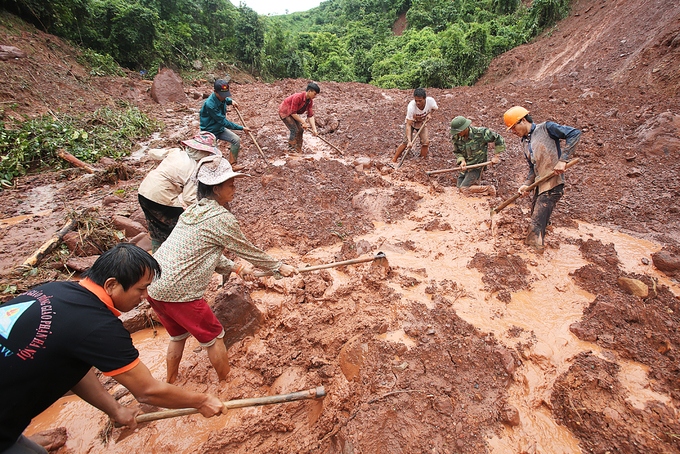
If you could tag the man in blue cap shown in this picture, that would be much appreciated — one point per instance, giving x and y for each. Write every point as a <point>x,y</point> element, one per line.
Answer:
<point>213,118</point>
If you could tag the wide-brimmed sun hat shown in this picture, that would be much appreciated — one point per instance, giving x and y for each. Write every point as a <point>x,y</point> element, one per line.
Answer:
<point>204,141</point>
<point>214,170</point>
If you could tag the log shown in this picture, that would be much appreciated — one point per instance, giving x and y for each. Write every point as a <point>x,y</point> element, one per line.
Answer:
<point>49,245</point>
<point>65,155</point>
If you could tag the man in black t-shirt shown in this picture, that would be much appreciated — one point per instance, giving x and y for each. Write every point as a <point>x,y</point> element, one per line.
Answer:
<point>53,335</point>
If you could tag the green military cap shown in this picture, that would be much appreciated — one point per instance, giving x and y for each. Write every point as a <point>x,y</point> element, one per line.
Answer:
<point>459,124</point>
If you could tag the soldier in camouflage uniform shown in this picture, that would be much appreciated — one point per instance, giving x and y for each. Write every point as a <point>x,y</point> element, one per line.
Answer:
<point>470,145</point>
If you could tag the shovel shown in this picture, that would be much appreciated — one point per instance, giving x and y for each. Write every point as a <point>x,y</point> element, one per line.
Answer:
<point>532,186</point>
<point>410,147</point>
<point>251,135</point>
<point>314,393</point>
<point>473,166</point>
<point>380,258</point>
<point>331,145</point>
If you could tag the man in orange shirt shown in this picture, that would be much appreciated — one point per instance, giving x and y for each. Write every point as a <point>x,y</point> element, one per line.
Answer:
<point>290,110</point>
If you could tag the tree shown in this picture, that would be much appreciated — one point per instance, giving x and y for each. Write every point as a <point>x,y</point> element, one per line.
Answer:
<point>249,37</point>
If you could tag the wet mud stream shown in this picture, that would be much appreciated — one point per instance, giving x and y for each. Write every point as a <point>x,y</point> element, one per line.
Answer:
<point>534,322</point>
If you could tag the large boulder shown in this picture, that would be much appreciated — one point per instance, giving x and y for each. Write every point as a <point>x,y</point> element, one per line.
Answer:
<point>167,87</point>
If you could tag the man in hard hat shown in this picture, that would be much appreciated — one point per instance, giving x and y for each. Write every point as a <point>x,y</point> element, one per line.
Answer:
<point>543,152</point>
<point>418,111</point>
<point>471,145</point>
<point>213,117</point>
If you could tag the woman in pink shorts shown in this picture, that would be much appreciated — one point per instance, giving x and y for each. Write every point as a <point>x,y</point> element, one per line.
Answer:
<point>190,256</point>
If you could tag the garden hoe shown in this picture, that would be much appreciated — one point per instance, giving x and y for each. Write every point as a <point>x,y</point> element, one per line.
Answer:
<point>453,169</point>
<point>331,145</point>
<point>251,136</point>
<point>532,186</point>
<point>379,259</point>
<point>314,393</point>
<point>410,147</point>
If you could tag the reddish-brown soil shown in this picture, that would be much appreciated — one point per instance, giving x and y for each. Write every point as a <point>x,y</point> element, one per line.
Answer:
<point>415,358</point>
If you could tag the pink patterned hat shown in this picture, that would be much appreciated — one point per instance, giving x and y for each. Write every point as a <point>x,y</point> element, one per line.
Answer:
<point>204,141</point>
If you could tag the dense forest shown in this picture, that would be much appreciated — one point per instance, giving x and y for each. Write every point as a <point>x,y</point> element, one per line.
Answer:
<point>444,43</point>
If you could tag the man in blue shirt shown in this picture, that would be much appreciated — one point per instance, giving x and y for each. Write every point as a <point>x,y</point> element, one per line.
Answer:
<point>213,118</point>
<point>543,152</point>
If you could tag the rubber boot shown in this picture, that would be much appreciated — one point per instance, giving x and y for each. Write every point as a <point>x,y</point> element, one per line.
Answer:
<point>397,153</point>
<point>235,167</point>
<point>423,151</point>
<point>535,241</point>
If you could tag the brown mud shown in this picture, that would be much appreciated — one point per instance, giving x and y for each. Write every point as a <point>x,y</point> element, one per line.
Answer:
<point>469,342</point>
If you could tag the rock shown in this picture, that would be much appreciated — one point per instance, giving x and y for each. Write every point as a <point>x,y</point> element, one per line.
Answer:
<point>364,162</point>
<point>167,87</point>
<point>74,243</point>
<point>81,264</point>
<point>583,333</point>
<point>129,227</point>
<point>633,286</point>
<point>351,358</point>
<point>237,313</point>
<point>634,172</point>
<point>197,65</point>
<point>8,52</point>
<point>666,261</point>
<point>142,240</point>
<point>510,416</point>
<point>137,318</point>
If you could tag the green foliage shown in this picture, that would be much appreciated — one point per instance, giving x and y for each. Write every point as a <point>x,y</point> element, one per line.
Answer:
<point>249,37</point>
<point>100,65</point>
<point>446,43</point>
<point>35,143</point>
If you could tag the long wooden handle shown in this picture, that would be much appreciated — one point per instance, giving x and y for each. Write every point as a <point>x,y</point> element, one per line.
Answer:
<point>331,145</point>
<point>251,135</point>
<point>327,265</point>
<point>408,148</point>
<point>453,169</point>
<point>314,393</point>
<point>530,187</point>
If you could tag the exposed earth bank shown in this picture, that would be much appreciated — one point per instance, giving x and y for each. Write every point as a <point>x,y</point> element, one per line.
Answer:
<point>468,342</point>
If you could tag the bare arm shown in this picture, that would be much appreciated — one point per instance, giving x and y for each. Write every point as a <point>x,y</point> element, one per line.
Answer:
<point>147,389</point>
<point>91,391</point>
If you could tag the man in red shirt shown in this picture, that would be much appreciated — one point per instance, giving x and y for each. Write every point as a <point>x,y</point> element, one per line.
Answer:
<point>290,110</point>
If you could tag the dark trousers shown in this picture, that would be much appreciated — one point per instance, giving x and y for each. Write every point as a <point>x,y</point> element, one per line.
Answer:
<point>160,219</point>
<point>468,178</point>
<point>295,128</point>
<point>542,208</point>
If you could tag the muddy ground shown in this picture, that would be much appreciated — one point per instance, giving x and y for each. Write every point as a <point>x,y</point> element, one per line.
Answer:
<point>469,342</point>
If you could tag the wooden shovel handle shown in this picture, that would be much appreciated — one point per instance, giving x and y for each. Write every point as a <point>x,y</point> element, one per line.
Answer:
<point>327,265</point>
<point>243,122</point>
<point>314,393</point>
<point>453,169</point>
<point>532,186</point>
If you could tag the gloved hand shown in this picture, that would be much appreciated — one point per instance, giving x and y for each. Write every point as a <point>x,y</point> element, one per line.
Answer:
<point>287,270</point>
<point>495,159</point>
<point>523,189</point>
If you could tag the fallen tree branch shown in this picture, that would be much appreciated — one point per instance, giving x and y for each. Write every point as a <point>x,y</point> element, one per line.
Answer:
<point>49,245</point>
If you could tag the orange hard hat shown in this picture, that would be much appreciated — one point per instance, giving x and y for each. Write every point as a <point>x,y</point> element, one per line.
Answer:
<point>513,115</point>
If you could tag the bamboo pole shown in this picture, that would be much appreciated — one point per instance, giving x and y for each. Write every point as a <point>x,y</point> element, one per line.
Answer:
<point>314,393</point>
<point>532,186</point>
<point>473,166</point>
<point>243,122</point>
